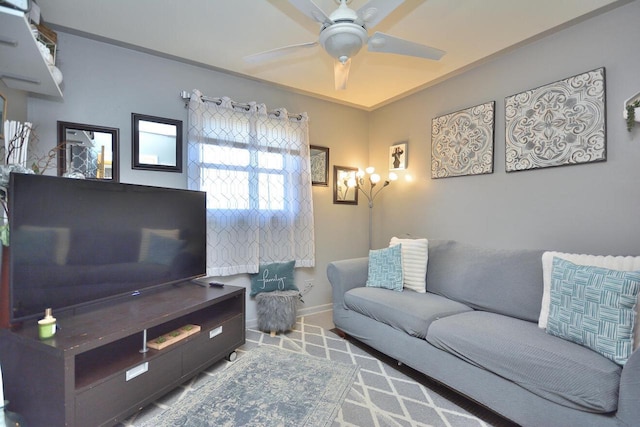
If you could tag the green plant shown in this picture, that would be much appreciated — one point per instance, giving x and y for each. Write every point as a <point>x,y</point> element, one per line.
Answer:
<point>631,114</point>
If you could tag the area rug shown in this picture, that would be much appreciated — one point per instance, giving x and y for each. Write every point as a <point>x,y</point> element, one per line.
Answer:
<point>268,386</point>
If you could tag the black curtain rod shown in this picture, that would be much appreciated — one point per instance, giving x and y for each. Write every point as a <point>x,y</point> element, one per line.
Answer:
<point>186,96</point>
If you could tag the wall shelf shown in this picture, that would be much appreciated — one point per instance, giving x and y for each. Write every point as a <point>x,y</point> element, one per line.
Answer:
<point>22,66</point>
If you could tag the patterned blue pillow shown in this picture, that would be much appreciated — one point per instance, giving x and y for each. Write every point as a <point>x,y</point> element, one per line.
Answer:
<point>385,268</point>
<point>594,307</point>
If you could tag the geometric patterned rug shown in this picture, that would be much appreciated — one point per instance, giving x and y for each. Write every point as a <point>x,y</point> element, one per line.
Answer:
<point>266,386</point>
<point>383,394</point>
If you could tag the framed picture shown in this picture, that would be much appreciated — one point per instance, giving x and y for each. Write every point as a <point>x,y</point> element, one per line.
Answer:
<point>462,142</point>
<point>319,165</point>
<point>398,156</point>
<point>562,123</point>
<point>156,143</point>
<point>343,192</point>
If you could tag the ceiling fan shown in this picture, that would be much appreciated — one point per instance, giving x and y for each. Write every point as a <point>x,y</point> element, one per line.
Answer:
<point>345,31</point>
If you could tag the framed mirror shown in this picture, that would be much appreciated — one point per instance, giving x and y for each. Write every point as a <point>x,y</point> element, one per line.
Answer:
<point>3,114</point>
<point>89,151</point>
<point>157,143</point>
<point>343,193</point>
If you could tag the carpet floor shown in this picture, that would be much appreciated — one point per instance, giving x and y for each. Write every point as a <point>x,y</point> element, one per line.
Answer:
<point>383,394</point>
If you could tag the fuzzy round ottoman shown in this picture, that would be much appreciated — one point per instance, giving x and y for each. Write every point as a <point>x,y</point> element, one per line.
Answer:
<point>277,311</point>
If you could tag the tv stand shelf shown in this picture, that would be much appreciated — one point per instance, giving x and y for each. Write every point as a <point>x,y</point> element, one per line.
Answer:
<point>93,373</point>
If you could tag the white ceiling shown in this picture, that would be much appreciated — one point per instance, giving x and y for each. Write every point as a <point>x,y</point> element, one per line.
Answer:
<point>219,33</point>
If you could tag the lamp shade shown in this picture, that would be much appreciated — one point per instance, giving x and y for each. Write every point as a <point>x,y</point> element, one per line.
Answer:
<point>343,40</point>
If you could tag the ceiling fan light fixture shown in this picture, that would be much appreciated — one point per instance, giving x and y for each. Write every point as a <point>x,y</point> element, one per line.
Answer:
<point>344,32</point>
<point>343,40</point>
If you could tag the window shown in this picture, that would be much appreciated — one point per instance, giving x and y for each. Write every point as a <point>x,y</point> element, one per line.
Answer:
<point>255,168</point>
<point>241,178</point>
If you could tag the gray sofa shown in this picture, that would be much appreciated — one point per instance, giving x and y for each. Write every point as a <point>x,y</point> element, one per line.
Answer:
<point>475,330</point>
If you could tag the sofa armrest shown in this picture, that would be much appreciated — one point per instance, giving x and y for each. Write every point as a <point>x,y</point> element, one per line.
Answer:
<point>629,394</point>
<point>346,274</point>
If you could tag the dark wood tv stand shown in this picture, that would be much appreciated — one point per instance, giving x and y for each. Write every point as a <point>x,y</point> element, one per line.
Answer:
<point>92,373</point>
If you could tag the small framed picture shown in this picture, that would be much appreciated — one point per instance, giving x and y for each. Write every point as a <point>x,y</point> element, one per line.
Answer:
<point>319,165</point>
<point>398,156</point>
<point>345,191</point>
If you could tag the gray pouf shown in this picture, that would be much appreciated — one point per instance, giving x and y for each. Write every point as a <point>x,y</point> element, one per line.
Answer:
<point>277,311</point>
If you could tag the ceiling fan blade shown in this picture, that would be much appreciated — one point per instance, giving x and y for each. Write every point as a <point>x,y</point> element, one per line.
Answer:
<point>309,8</point>
<point>341,72</point>
<point>269,55</point>
<point>375,11</point>
<point>380,42</point>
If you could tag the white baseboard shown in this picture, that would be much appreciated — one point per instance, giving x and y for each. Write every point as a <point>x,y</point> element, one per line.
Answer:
<point>307,311</point>
<point>314,310</point>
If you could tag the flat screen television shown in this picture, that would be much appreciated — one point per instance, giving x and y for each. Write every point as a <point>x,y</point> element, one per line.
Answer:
<point>77,242</point>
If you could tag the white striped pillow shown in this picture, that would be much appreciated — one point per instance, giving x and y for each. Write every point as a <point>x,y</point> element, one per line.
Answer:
<point>415,253</point>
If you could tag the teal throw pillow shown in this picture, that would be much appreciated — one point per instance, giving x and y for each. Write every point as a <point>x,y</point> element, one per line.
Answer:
<point>277,276</point>
<point>385,268</point>
<point>594,307</point>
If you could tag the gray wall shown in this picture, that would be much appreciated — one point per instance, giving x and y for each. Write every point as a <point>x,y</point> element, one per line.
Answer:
<point>590,208</point>
<point>103,84</point>
<point>16,103</point>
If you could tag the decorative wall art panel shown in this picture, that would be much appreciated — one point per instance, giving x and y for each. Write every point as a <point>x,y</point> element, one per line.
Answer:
<point>462,142</point>
<point>562,123</point>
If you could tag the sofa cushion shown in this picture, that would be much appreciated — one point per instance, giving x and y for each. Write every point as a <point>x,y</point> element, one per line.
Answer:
<point>408,311</point>
<point>594,307</point>
<point>555,369</point>
<point>385,268</point>
<point>501,281</point>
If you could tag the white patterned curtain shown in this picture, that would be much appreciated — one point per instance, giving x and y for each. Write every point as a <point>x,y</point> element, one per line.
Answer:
<point>254,165</point>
